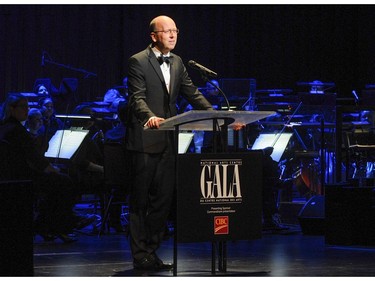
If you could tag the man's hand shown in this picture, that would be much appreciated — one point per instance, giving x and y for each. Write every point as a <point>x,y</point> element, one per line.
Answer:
<point>154,122</point>
<point>238,126</point>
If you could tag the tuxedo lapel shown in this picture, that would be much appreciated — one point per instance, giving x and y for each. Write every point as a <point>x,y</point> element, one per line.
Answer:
<point>172,82</point>
<point>155,64</point>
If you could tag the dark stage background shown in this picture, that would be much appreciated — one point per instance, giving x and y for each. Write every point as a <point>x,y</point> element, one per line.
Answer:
<point>278,45</point>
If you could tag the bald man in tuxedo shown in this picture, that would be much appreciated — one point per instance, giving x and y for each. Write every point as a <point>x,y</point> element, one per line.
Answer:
<point>156,78</point>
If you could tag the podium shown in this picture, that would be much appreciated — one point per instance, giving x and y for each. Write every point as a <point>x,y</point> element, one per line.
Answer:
<point>203,120</point>
<point>219,199</point>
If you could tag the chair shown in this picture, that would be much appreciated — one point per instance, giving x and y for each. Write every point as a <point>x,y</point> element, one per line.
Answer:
<point>12,164</point>
<point>4,166</point>
<point>116,178</point>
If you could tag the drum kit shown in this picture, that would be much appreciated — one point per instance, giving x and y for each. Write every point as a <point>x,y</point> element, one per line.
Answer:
<point>307,175</point>
<point>304,166</point>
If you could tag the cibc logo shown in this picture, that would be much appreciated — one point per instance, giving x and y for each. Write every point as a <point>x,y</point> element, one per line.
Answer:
<point>221,225</point>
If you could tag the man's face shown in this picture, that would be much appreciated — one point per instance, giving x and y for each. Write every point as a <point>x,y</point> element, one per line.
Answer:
<point>165,35</point>
<point>48,109</point>
<point>36,122</point>
<point>43,90</point>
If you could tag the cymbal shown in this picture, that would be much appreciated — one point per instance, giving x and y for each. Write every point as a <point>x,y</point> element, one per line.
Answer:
<point>316,83</point>
<point>119,87</point>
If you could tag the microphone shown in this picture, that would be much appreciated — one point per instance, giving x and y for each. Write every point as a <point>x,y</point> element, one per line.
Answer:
<point>202,69</point>
<point>42,59</point>
<point>355,96</point>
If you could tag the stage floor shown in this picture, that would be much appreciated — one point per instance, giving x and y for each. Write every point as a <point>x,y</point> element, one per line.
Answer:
<point>274,255</point>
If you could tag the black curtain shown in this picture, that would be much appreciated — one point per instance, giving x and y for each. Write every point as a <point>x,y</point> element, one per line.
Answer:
<point>278,45</point>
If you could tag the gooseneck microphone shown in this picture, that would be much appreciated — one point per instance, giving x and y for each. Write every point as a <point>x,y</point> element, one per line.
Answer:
<point>205,72</point>
<point>202,69</point>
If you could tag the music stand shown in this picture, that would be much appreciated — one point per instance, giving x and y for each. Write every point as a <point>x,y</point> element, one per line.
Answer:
<point>184,141</point>
<point>278,142</point>
<point>68,86</point>
<point>207,120</point>
<point>65,143</point>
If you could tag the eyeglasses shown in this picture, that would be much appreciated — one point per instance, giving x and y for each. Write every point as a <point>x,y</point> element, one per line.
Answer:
<point>169,31</point>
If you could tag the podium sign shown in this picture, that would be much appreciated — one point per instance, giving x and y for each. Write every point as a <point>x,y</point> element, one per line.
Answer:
<point>219,197</point>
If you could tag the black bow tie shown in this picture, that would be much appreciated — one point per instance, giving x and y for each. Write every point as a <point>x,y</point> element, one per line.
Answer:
<point>163,59</point>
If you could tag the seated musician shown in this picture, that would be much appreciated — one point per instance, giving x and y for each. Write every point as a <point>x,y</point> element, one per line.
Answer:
<point>113,97</point>
<point>33,124</point>
<point>51,124</point>
<point>42,90</point>
<point>212,93</point>
<point>271,182</point>
<point>119,163</point>
<point>87,167</point>
<point>54,191</point>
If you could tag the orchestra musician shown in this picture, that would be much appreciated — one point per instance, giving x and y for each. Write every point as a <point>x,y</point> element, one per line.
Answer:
<point>54,191</point>
<point>87,165</point>
<point>116,166</point>
<point>51,124</point>
<point>33,124</point>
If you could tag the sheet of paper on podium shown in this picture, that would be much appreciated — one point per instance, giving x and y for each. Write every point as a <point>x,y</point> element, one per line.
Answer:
<point>65,143</point>
<point>184,141</point>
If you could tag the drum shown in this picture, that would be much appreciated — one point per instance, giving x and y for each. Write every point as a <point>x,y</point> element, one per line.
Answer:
<point>307,180</point>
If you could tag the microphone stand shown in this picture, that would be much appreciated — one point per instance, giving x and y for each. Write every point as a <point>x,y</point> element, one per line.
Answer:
<point>220,246</point>
<point>205,78</point>
<point>284,127</point>
<point>88,74</point>
<point>251,103</point>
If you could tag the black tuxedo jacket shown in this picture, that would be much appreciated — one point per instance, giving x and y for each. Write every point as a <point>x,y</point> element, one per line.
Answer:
<point>149,97</point>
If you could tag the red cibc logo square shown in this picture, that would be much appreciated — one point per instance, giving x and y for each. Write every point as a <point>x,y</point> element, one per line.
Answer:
<point>221,225</point>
